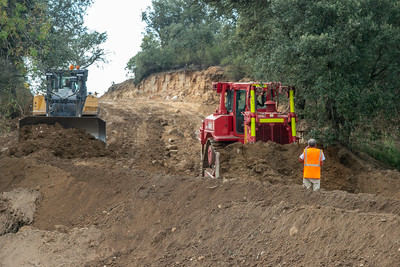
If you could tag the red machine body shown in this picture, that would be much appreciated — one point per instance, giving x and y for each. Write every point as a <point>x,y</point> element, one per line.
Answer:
<point>232,121</point>
<point>247,113</point>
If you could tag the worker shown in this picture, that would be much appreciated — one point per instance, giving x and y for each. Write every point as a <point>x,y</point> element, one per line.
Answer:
<point>313,159</point>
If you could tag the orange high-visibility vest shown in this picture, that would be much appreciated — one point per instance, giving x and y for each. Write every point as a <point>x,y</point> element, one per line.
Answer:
<point>312,163</point>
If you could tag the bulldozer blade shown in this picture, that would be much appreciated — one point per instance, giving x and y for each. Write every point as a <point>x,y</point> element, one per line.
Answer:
<point>92,125</point>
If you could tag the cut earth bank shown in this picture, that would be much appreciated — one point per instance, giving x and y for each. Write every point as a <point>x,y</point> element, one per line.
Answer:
<point>139,201</point>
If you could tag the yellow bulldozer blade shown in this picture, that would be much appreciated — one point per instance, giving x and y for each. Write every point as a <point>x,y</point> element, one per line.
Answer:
<point>92,125</point>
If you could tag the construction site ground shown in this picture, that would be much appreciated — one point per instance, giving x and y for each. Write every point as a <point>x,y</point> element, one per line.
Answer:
<point>67,200</point>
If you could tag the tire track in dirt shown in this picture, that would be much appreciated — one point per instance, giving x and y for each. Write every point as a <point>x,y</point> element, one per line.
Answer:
<point>141,205</point>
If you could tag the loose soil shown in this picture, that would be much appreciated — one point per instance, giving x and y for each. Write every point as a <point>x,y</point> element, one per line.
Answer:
<point>139,201</point>
<point>17,209</point>
<point>63,143</point>
<point>275,163</point>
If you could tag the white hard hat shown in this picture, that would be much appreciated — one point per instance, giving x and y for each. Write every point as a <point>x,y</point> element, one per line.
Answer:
<point>312,142</point>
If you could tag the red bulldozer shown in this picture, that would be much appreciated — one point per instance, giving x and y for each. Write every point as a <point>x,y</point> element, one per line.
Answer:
<point>247,113</point>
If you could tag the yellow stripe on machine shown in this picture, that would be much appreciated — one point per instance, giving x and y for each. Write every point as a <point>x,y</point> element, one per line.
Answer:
<point>293,127</point>
<point>252,102</point>
<point>252,110</point>
<point>39,105</point>
<point>293,121</point>
<point>272,120</point>
<point>91,106</point>
<point>253,127</point>
<point>245,134</point>
<point>260,85</point>
<point>291,98</point>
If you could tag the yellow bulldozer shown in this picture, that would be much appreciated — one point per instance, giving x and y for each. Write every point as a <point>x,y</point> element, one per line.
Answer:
<point>67,103</point>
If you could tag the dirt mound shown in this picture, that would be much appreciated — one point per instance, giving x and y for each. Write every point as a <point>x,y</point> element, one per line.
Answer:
<point>178,221</point>
<point>17,209</point>
<point>61,142</point>
<point>32,247</point>
<point>261,161</point>
<point>275,163</point>
<point>145,205</point>
<point>96,212</point>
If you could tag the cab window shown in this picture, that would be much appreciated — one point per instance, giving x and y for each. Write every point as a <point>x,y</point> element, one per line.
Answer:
<point>261,99</point>
<point>229,100</point>
<point>240,107</point>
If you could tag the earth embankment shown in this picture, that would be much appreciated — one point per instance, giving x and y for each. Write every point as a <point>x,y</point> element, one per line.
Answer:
<point>139,201</point>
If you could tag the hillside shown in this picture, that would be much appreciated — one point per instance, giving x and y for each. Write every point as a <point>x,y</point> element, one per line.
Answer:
<point>139,201</point>
<point>177,85</point>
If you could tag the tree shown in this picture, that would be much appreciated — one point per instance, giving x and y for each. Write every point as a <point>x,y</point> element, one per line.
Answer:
<point>42,34</point>
<point>343,57</point>
<point>179,33</point>
<point>68,40</point>
<point>13,95</point>
<point>22,27</point>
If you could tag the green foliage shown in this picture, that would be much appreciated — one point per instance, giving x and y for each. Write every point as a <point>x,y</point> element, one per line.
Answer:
<point>37,35</point>
<point>179,34</point>
<point>385,151</point>
<point>23,25</point>
<point>343,57</point>
<point>151,59</point>
<point>68,41</point>
<point>14,95</point>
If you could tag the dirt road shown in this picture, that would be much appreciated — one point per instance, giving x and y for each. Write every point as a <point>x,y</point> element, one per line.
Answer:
<point>140,202</point>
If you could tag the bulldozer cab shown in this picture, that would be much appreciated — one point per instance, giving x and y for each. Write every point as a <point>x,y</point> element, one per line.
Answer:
<point>67,103</point>
<point>243,99</point>
<point>262,94</point>
<point>240,108</point>
<point>235,104</point>
<point>66,92</point>
<point>66,82</point>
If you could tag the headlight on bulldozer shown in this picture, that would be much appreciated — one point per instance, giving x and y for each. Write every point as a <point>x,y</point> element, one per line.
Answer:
<point>210,125</point>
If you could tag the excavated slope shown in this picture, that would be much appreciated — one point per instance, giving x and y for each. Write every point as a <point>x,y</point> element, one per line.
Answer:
<point>140,202</point>
<point>184,84</point>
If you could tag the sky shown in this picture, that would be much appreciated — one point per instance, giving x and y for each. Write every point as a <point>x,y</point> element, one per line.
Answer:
<point>122,20</point>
